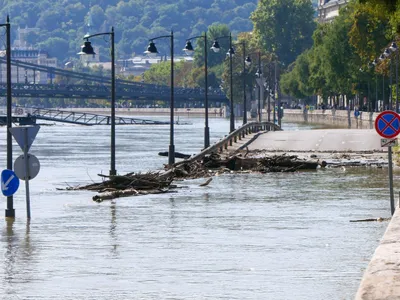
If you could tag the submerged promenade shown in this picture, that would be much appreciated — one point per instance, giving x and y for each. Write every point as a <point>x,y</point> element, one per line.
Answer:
<point>380,280</point>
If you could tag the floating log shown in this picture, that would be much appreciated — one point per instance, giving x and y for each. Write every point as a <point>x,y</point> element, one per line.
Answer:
<point>372,220</point>
<point>125,193</point>
<point>176,154</point>
<point>206,183</point>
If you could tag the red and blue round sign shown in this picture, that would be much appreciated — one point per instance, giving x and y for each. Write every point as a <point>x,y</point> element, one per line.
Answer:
<point>387,124</point>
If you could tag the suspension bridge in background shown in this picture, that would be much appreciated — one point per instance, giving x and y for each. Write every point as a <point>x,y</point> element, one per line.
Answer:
<point>78,85</point>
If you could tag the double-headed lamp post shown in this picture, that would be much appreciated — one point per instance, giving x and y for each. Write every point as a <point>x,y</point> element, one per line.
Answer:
<point>374,63</point>
<point>10,211</point>
<point>189,51</point>
<point>393,47</point>
<point>260,84</point>
<point>382,58</point>
<point>152,51</point>
<point>87,49</point>
<point>245,63</point>
<point>216,48</point>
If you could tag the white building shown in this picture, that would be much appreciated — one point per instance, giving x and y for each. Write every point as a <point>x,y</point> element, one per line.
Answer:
<point>137,65</point>
<point>329,9</point>
<point>20,74</point>
<point>21,50</point>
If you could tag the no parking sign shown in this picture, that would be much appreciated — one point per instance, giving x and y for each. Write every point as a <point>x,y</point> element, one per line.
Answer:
<point>387,124</point>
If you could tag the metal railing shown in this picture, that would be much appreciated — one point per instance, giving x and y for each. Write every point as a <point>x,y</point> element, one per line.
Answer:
<point>235,136</point>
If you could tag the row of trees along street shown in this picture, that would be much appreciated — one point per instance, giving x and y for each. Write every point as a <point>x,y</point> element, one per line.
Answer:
<point>340,59</point>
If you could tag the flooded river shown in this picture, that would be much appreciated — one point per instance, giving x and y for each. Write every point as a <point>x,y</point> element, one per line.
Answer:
<point>245,236</point>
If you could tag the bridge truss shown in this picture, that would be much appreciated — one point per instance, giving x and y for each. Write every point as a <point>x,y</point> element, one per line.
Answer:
<point>86,118</point>
<point>99,87</point>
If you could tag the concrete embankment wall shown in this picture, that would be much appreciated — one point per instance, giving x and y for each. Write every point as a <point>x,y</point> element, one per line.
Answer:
<point>381,280</point>
<point>337,118</point>
<point>183,112</point>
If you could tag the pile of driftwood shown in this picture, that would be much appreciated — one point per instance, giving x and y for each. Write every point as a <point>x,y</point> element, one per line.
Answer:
<point>276,163</point>
<point>215,163</point>
<point>131,184</point>
<point>134,184</point>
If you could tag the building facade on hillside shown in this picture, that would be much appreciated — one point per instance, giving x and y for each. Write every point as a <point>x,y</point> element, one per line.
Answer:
<point>21,40</point>
<point>329,9</point>
<point>21,75</point>
<point>137,65</point>
<point>23,51</point>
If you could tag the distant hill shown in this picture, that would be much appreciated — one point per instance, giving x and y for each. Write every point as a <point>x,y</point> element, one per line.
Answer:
<point>62,23</point>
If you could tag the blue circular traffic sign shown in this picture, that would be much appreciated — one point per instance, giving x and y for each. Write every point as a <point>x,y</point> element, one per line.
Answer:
<point>9,182</point>
<point>387,124</point>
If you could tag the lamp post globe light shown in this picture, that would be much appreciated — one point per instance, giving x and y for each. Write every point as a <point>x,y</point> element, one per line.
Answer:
<point>216,48</point>
<point>152,51</point>
<point>87,49</point>
<point>10,211</point>
<point>190,51</point>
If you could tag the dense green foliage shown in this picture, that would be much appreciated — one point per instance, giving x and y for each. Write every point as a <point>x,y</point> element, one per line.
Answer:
<point>284,27</point>
<point>62,23</point>
<point>340,60</point>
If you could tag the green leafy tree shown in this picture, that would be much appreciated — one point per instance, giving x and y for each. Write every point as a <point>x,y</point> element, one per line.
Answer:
<point>297,82</point>
<point>55,46</point>
<point>370,30</point>
<point>284,27</point>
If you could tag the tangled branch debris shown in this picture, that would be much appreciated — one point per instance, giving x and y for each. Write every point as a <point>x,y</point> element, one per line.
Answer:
<point>133,184</point>
<point>129,185</point>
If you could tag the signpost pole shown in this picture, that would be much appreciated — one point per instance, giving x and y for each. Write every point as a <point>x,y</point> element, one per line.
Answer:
<point>391,180</point>
<point>26,158</point>
<point>387,125</point>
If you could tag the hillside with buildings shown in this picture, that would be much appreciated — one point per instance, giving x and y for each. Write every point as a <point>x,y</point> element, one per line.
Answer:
<point>58,26</point>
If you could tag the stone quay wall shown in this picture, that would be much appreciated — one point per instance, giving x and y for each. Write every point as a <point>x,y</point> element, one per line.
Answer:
<point>183,112</point>
<point>381,278</point>
<point>335,118</point>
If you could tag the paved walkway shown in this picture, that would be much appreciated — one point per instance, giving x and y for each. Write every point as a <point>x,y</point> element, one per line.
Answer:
<point>338,140</point>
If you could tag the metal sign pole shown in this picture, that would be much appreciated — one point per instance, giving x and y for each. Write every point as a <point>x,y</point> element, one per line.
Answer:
<point>26,158</point>
<point>391,180</point>
<point>387,125</point>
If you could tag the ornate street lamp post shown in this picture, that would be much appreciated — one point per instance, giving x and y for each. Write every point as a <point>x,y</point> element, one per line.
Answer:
<point>393,47</point>
<point>381,58</point>
<point>87,49</point>
<point>245,63</point>
<point>152,51</point>
<point>216,48</point>
<point>189,51</point>
<point>10,211</point>
<point>374,63</point>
